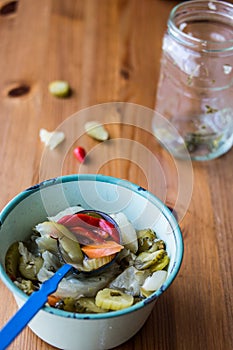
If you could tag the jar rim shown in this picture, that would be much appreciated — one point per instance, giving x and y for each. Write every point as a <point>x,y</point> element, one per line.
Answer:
<point>212,8</point>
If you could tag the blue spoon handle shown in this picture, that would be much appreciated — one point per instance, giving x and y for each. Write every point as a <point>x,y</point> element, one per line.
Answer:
<point>35,302</point>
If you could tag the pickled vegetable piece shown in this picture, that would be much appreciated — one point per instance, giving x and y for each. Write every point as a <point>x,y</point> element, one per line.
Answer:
<point>90,228</point>
<point>88,305</point>
<point>67,240</point>
<point>29,265</point>
<point>94,264</point>
<point>51,139</point>
<point>112,299</point>
<point>130,280</point>
<point>54,230</point>
<point>96,131</point>
<point>59,88</point>
<point>26,286</point>
<point>103,249</point>
<point>12,260</point>
<point>128,233</point>
<point>153,282</point>
<point>71,249</point>
<point>68,304</point>
<point>146,239</point>
<point>146,259</point>
<point>53,300</point>
<point>157,245</point>
<point>160,263</point>
<point>29,269</point>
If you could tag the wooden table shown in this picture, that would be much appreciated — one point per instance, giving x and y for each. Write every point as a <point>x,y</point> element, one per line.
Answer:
<point>109,51</point>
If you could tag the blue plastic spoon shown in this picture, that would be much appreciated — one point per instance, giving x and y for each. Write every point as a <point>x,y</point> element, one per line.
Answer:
<point>30,308</point>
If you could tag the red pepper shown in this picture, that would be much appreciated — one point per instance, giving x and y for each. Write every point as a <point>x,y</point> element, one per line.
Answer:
<point>80,153</point>
<point>89,219</point>
<point>90,229</point>
<point>84,227</point>
<point>79,219</point>
<point>110,228</point>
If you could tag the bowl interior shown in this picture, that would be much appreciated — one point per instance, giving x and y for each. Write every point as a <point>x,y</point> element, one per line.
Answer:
<point>97,192</point>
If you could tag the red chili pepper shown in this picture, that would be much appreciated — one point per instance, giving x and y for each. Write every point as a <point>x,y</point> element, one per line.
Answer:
<point>79,219</point>
<point>89,219</point>
<point>89,228</point>
<point>79,153</point>
<point>110,229</point>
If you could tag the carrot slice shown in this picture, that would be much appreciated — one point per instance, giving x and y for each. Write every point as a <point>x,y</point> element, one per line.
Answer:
<point>101,250</point>
<point>53,300</point>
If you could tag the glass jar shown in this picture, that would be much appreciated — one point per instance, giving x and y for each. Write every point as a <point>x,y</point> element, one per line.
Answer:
<point>195,90</point>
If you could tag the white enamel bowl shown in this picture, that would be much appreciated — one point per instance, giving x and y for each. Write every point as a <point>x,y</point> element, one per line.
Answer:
<point>66,330</point>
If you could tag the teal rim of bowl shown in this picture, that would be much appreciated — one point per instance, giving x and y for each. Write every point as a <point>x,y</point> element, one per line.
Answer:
<point>115,181</point>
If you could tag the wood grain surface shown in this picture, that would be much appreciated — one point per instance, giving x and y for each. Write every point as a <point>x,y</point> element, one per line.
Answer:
<point>109,51</point>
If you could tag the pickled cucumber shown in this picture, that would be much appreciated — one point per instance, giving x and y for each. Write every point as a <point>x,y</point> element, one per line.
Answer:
<point>96,263</point>
<point>88,305</point>
<point>112,299</point>
<point>12,260</point>
<point>146,260</point>
<point>146,239</point>
<point>160,263</point>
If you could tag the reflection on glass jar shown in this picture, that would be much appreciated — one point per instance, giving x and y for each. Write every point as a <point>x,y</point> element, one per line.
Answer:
<point>195,91</point>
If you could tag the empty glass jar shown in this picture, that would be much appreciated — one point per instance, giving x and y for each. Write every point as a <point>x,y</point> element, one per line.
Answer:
<point>195,90</point>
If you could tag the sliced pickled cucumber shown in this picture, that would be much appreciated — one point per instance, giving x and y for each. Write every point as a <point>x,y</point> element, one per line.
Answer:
<point>146,239</point>
<point>94,264</point>
<point>161,263</point>
<point>146,259</point>
<point>88,305</point>
<point>69,304</point>
<point>112,299</point>
<point>12,260</point>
